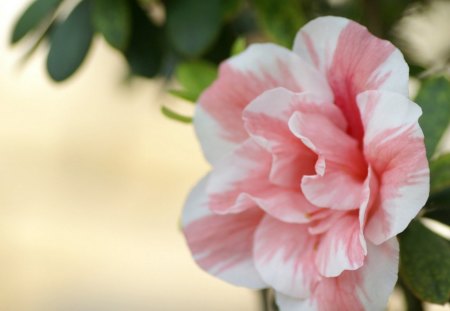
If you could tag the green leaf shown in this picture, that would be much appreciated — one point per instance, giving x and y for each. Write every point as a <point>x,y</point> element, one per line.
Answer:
<point>438,205</point>
<point>280,20</point>
<point>175,116</point>
<point>144,52</point>
<point>193,25</point>
<point>434,98</point>
<point>194,78</point>
<point>440,174</point>
<point>239,46</point>
<point>184,94</point>
<point>412,302</point>
<point>425,263</point>
<point>33,17</point>
<point>70,42</point>
<point>112,18</point>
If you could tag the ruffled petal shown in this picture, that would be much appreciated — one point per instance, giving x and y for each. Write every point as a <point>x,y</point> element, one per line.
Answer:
<point>342,168</point>
<point>342,247</point>
<point>266,120</point>
<point>366,289</point>
<point>222,244</point>
<point>284,257</point>
<point>394,147</point>
<point>239,175</point>
<point>241,180</point>
<point>242,78</point>
<point>353,60</point>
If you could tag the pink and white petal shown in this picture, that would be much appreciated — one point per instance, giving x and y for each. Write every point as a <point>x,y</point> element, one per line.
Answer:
<point>317,40</point>
<point>340,175</point>
<point>221,245</point>
<point>288,303</point>
<point>284,257</point>
<point>342,247</point>
<point>266,120</point>
<point>287,205</point>
<point>366,289</point>
<point>242,180</point>
<point>394,147</point>
<point>353,61</point>
<point>335,189</point>
<point>238,175</point>
<point>326,139</point>
<point>218,117</point>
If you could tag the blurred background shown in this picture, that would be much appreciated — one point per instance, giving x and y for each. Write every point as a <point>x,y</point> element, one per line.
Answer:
<point>93,178</point>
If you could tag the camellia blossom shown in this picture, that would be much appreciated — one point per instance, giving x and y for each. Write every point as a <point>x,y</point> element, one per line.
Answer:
<point>318,162</point>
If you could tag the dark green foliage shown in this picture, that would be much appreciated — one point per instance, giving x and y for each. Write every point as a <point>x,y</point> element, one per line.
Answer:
<point>425,263</point>
<point>69,42</point>
<point>193,25</point>
<point>434,98</point>
<point>112,18</point>
<point>36,14</point>
<point>438,207</point>
<point>280,20</point>
<point>144,53</point>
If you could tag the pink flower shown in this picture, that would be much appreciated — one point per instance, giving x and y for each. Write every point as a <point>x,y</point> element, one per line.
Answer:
<point>318,163</point>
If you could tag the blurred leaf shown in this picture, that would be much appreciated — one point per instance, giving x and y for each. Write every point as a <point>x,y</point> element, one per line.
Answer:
<point>412,302</point>
<point>37,42</point>
<point>193,25</point>
<point>425,263</point>
<point>144,52</point>
<point>221,49</point>
<point>175,116</point>
<point>194,77</point>
<point>438,205</point>
<point>34,15</point>
<point>69,42</point>
<point>238,46</point>
<point>112,18</point>
<point>231,8</point>
<point>390,12</point>
<point>184,94</point>
<point>434,98</point>
<point>280,20</point>
<point>440,174</point>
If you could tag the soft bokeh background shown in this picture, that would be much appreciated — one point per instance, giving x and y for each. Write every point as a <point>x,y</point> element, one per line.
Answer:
<point>92,181</point>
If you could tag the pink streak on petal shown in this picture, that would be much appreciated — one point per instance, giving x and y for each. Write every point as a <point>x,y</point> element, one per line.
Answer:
<point>220,243</point>
<point>401,163</point>
<point>243,172</point>
<point>330,142</point>
<point>234,90</point>
<point>342,247</point>
<point>284,257</point>
<point>357,57</point>
<point>241,180</point>
<point>311,49</point>
<point>394,148</point>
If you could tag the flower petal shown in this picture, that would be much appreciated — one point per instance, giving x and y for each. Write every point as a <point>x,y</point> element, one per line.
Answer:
<point>242,78</point>
<point>221,244</point>
<point>237,176</point>
<point>342,247</point>
<point>367,288</point>
<point>284,257</point>
<point>241,180</point>
<point>394,147</point>
<point>353,60</point>
<point>340,175</point>
<point>266,120</point>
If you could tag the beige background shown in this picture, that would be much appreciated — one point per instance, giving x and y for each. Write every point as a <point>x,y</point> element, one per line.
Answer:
<point>92,181</point>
